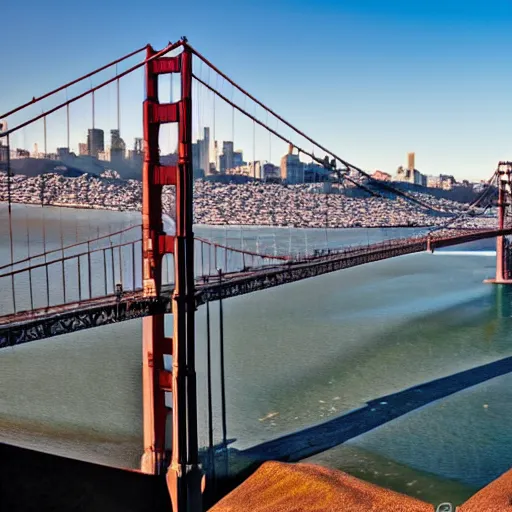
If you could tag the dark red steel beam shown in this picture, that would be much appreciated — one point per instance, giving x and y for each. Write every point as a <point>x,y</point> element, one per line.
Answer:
<point>164,175</point>
<point>166,65</point>
<point>165,380</point>
<point>166,244</point>
<point>162,112</point>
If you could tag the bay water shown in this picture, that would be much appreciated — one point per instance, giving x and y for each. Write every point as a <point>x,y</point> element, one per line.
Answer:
<point>296,355</point>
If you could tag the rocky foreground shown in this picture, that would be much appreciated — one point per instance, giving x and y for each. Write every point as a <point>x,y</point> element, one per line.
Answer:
<point>280,487</point>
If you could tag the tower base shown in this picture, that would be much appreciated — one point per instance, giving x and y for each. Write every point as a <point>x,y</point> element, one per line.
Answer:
<point>497,281</point>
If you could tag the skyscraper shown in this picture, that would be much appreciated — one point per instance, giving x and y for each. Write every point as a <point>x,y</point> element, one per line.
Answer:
<point>238,158</point>
<point>4,148</point>
<point>204,151</point>
<point>201,155</point>
<point>137,146</point>
<point>117,146</point>
<point>3,128</point>
<point>95,141</point>
<point>292,169</point>
<point>410,161</point>
<point>226,159</point>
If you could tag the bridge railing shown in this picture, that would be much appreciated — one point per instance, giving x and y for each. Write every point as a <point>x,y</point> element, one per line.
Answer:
<point>214,256</point>
<point>72,272</point>
<point>73,277</point>
<point>106,265</point>
<point>130,233</point>
<point>110,265</point>
<point>359,249</point>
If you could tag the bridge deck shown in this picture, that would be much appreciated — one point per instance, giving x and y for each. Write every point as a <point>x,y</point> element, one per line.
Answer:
<point>27,326</point>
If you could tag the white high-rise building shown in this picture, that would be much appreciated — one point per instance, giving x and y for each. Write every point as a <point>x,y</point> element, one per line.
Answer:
<point>3,128</point>
<point>292,169</point>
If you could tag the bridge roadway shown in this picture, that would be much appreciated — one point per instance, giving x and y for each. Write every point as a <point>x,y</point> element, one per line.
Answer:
<point>26,326</point>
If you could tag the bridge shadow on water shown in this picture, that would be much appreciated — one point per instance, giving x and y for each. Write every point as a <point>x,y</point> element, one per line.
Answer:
<point>300,445</point>
<point>318,438</point>
<point>313,440</point>
<point>83,486</point>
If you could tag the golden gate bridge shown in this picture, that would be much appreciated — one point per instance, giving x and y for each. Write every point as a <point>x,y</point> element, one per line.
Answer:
<point>147,273</point>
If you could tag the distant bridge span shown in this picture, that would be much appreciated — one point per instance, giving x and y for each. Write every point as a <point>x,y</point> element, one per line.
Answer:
<point>26,326</point>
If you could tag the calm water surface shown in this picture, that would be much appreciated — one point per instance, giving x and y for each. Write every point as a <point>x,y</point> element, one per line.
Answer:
<point>296,355</point>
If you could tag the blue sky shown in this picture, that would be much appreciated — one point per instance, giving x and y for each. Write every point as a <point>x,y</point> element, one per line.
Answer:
<point>370,79</point>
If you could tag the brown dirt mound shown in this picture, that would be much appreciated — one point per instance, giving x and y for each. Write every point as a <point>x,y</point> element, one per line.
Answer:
<point>495,497</point>
<point>280,487</point>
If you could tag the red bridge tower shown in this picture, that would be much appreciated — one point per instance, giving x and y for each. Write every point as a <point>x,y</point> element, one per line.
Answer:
<point>502,249</point>
<point>183,473</point>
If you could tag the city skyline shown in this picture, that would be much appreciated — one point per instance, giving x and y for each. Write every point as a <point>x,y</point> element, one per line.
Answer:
<point>228,160</point>
<point>423,76</point>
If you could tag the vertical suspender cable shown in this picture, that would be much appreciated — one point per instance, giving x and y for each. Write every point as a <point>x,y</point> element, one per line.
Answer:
<point>216,149</point>
<point>121,267</point>
<point>171,96</point>
<point>89,275</point>
<point>67,125</point>
<point>43,188</point>
<point>105,270</point>
<point>209,389</point>
<point>133,266</point>
<point>29,262</point>
<point>46,264</point>
<point>209,259</point>
<point>9,198</point>
<point>242,245</point>
<point>222,373</point>
<point>79,268</point>
<point>225,250</point>
<point>254,149</point>
<point>201,245</point>
<point>326,221</point>
<point>62,252</point>
<point>118,86</point>
<point>232,130</point>
<point>45,139</point>
<point>113,266</point>
<point>269,145</point>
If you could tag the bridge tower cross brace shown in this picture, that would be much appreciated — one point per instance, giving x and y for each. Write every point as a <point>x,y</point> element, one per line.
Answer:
<point>183,473</point>
<point>504,183</point>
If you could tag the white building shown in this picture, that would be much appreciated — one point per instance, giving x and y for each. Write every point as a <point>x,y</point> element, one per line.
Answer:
<point>251,169</point>
<point>292,169</point>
